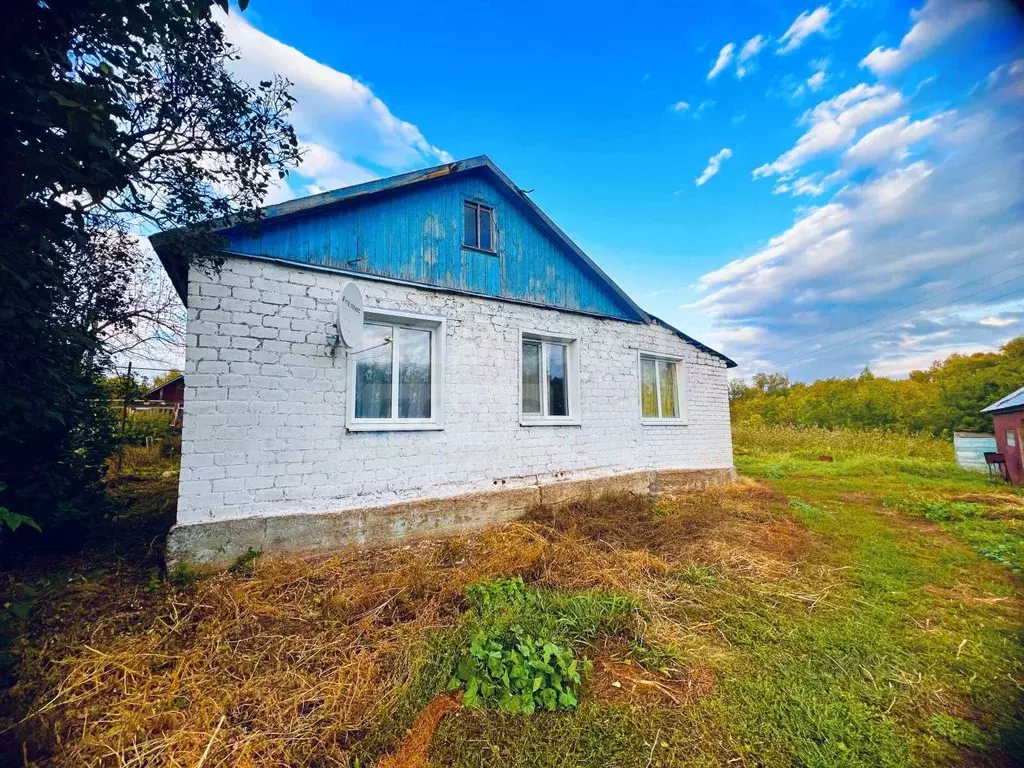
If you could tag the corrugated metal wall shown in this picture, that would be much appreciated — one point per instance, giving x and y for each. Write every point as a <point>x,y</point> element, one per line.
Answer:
<point>970,449</point>
<point>415,235</point>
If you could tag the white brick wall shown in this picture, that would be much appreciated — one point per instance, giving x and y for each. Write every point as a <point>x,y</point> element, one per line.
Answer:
<point>264,431</point>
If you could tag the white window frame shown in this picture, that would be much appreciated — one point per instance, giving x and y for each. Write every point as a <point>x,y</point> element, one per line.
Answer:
<point>659,421</point>
<point>436,325</point>
<point>572,372</point>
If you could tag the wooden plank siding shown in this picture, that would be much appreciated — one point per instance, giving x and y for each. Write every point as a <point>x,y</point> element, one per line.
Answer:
<point>414,234</point>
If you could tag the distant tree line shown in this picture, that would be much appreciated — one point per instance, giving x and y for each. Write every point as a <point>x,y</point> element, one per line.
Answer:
<point>946,397</point>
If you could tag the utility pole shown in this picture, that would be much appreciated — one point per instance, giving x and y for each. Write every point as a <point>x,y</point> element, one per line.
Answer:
<point>124,417</point>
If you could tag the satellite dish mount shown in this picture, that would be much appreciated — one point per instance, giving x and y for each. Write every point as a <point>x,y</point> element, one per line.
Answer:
<point>349,319</point>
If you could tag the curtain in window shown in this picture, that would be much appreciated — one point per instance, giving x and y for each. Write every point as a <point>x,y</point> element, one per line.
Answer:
<point>667,376</point>
<point>413,373</point>
<point>373,374</point>
<point>648,388</point>
<point>557,362</point>
<point>531,377</point>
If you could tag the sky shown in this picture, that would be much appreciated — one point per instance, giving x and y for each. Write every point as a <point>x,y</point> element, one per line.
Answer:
<point>808,188</point>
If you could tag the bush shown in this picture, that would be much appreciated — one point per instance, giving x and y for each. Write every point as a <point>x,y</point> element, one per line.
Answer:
<point>152,424</point>
<point>518,656</point>
<point>517,673</point>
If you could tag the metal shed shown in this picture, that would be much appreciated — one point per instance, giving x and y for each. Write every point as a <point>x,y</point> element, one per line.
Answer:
<point>971,448</point>
<point>1008,419</point>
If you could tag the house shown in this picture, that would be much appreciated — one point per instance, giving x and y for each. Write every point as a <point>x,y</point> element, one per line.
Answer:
<point>168,397</point>
<point>1008,420</point>
<point>499,368</point>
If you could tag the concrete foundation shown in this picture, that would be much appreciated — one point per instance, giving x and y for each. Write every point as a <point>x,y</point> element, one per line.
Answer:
<point>221,542</point>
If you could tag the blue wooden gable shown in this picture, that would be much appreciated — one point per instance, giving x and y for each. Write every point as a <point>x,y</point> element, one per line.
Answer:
<point>409,228</point>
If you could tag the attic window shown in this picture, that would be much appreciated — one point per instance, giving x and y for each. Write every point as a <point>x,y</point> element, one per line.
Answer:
<point>478,226</point>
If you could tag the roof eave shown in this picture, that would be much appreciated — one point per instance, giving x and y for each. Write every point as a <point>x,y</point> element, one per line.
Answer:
<point>729,362</point>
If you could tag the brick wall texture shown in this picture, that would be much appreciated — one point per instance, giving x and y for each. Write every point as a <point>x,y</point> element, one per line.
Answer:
<point>265,405</point>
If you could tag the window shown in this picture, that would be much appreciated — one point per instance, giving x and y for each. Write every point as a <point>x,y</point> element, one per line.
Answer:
<point>1011,438</point>
<point>549,389</point>
<point>395,378</point>
<point>661,390</point>
<point>478,226</point>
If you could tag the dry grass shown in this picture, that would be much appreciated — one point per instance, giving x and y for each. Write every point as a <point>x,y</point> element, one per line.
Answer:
<point>301,660</point>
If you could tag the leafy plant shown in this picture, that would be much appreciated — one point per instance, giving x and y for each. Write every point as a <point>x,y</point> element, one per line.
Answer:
<point>13,520</point>
<point>518,673</point>
<point>246,562</point>
<point>699,576</point>
<point>492,594</point>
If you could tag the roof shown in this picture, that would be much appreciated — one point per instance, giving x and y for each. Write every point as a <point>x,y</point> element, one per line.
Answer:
<point>157,388</point>
<point>361,192</point>
<point>1012,402</point>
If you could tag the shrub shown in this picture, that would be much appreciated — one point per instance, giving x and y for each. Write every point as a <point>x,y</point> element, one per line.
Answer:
<point>518,655</point>
<point>517,673</point>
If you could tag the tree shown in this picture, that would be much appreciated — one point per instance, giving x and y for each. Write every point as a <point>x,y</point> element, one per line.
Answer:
<point>171,375</point>
<point>946,397</point>
<point>117,116</point>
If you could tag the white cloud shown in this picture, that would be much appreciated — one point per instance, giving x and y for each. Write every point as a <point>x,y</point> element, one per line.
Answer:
<point>349,133</point>
<point>833,124</point>
<point>680,106</point>
<point>723,60</point>
<point>935,21</point>
<point>817,80</point>
<point>812,185</point>
<point>941,232</point>
<point>744,62</point>
<point>806,24</point>
<point>998,322</point>
<point>1007,80</point>
<point>713,166</point>
<point>892,140</point>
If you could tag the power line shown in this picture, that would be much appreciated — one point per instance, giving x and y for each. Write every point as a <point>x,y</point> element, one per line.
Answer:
<point>847,342</point>
<point>905,306</point>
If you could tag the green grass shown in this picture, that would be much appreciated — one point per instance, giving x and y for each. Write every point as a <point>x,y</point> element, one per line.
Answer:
<point>863,611</point>
<point>895,645</point>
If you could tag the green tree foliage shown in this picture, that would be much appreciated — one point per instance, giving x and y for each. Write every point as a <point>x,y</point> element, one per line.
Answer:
<point>171,375</point>
<point>946,397</point>
<point>117,116</point>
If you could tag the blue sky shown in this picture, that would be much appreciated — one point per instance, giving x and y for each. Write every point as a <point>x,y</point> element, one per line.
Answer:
<point>808,187</point>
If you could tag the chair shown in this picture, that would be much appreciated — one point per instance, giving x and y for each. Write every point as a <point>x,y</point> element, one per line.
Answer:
<point>997,461</point>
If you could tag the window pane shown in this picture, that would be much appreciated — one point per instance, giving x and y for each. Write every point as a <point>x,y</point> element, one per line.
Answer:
<point>373,374</point>
<point>485,229</point>
<point>667,376</point>
<point>648,388</point>
<point>1011,438</point>
<point>531,377</point>
<point>413,373</point>
<point>558,396</point>
<point>469,225</point>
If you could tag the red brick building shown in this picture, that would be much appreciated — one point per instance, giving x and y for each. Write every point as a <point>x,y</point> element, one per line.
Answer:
<point>1008,419</point>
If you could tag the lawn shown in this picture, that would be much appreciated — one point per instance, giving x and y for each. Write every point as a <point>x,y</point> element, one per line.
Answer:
<point>854,599</point>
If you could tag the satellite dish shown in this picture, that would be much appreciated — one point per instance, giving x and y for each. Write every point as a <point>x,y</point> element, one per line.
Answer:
<point>350,315</point>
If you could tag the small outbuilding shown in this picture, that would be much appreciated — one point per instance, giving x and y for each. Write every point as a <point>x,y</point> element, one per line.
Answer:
<point>168,397</point>
<point>1008,419</point>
